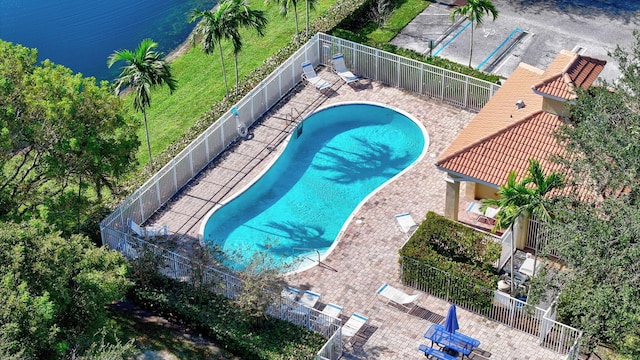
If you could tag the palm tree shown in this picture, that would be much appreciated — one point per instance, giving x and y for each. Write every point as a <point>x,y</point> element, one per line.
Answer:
<point>310,5</point>
<point>244,16</point>
<point>215,27</point>
<point>145,69</point>
<point>284,9</point>
<point>474,10</point>
<point>521,200</point>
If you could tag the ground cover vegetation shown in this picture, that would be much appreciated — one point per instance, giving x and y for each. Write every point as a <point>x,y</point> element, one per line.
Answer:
<point>240,325</point>
<point>459,252</point>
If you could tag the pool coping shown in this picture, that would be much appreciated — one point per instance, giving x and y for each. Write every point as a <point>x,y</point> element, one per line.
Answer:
<point>309,263</point>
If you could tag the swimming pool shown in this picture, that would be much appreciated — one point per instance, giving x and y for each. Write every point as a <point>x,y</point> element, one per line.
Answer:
<point>332,163</point>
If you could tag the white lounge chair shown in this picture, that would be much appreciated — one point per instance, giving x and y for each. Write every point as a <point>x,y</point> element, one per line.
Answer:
<point>290,293</point>
<point>397,297</point>
<point>406,222</point>
<point>487,216</point>
<point>332,310</point>
<point>341,69</point>
<point>527,266</point>
<point>309,298</point>
<point>309,74</point>
<point>353,325</point>
<point>148,231</point>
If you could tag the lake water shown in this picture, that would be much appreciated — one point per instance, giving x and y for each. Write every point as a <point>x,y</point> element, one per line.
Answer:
<point>81,34</point>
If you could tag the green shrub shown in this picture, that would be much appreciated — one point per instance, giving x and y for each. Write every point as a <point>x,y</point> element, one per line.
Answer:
<point>464,257</point>
<point>217,317</point>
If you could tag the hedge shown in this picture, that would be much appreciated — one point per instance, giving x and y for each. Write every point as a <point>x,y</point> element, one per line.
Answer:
<point>464,256</point>
<point>216,317</point>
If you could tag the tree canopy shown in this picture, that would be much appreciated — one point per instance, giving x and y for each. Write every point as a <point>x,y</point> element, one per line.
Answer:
<point>59,134</point>
<point>53,291</point>
<point>598,232</point>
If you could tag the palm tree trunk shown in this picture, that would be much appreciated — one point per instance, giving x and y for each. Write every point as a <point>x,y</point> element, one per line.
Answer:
<point>235,57</point>
<point>224,72</point>
<point>146,128</point>
<point>513,246</point>
<point>471,45</point>
<point>295,13</point>
<point>307,31</point>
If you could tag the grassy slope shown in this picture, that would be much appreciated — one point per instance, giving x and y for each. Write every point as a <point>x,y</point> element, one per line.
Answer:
<point>401,16</point>
<point>200,80</point>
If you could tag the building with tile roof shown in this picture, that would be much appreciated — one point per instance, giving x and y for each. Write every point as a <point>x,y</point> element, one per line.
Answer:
<point>516,125</point>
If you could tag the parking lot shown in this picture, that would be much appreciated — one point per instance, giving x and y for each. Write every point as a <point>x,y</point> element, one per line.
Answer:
<point>526,30</point>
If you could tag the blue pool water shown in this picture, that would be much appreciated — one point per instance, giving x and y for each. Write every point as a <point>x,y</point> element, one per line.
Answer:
<point>342,155</point>
<point>81,34</point>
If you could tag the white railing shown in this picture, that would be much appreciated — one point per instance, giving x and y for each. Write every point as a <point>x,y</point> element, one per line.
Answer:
<point>412,75</point>
<point>537,238</point>
<point>154,193</point>
<point>222,283</point>
<point>493,304</point>
<point>423,79</point>
<point>390,69</point>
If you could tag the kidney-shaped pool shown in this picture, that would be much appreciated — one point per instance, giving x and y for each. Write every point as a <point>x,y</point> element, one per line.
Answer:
<point>334,160</point>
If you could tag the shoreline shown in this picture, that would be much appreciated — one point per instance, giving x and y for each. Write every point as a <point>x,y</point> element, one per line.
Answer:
<point>182,49</point>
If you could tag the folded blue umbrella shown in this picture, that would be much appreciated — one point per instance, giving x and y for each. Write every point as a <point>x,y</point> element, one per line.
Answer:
<point>451,322</point>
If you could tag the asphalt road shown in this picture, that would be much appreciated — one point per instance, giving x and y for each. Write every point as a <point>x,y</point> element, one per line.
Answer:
<point>527,30</point>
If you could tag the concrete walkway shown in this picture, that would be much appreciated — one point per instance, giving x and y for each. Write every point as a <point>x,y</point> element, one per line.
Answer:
<point>366,256</point>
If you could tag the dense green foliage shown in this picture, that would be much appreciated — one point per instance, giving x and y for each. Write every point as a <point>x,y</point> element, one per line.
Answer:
<point>64,143</point>
<point>458,250</point>
<point>220,319</point>
<point>598,232</point>
<point>527,197</point>
<point>53,291</point>
<point>60,134</point>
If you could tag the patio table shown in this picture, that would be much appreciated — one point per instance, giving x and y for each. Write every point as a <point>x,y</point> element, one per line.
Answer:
<point>456,341</point>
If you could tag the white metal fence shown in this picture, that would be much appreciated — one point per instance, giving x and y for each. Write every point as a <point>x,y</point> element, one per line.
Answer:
<point>538,239</point>
<point>412,75</point>
<point>222,283</point>
<point>494,305</point>
<point>390,69</point>
<point>423,79</point>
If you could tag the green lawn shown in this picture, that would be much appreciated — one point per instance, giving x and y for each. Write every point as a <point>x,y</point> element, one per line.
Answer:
<point>200,80</point>
<point>401,16</point>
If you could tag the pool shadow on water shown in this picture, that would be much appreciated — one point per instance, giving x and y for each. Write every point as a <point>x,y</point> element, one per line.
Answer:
<point>376,160</point>
<point>301,236</point>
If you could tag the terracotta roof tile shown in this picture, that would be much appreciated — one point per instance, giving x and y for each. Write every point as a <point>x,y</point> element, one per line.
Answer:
<point>491,162</point>
<point>501,110</point>
<point>502,138</point>
<point>581,71</point>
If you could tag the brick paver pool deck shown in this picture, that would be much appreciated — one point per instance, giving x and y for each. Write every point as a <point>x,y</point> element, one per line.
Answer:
<point>366,256</point>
